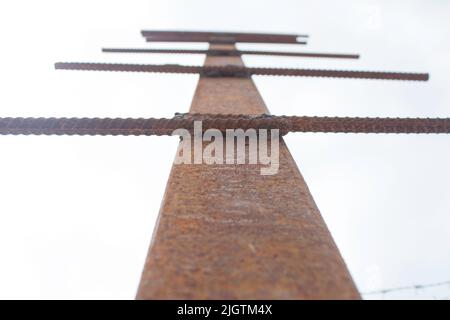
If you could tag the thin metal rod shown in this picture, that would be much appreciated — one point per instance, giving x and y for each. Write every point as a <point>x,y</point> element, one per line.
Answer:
<point>221,37</point>
<point>237,71</point>
<point>412,287</point>
<point>147,33</point>
<point>225,40</point>
<point>152,126</point>
<point>234,52</point>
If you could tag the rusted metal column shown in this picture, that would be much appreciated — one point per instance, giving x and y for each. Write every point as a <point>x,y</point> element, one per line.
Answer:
<point>227,232</point>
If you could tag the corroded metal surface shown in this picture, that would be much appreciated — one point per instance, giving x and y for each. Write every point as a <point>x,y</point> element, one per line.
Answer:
<point>226,232</point>
<point>152,126</point>
<point>220,37</point>
<point>221,40</point>
<point>149,33</point>
<point>230,70</point>
<point>235,52</point>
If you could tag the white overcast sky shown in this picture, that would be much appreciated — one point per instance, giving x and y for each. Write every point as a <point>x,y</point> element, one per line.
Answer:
<point>77,213</point>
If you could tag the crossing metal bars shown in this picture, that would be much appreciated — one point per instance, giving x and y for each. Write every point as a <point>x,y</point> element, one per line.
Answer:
<point>152,126</point>
<point>239,71</point>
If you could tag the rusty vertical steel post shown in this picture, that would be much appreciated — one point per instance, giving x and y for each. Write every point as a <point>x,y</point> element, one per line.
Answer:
<point>227,232</point>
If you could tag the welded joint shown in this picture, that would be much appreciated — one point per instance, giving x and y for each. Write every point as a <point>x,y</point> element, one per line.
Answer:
<point>230,71</point>
<point>224,53</point>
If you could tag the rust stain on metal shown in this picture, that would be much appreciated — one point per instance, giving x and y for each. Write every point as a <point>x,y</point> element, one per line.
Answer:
<point>235,52</point>
<point>149,33</point>
<point>221,37</point>
<point>162,126</point>
<point>226,232</point>
<point>240,71</point>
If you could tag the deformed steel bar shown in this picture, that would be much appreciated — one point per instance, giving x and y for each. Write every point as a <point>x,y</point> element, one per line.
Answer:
<point>224,40</point>
<point>235,53</point>
<point>303,54</point>
<point>176,51</point>
<point>147,33</point>
<point>238,71</point>
<point>163,68</point>
<point>162,126</point>
<point>221,37</point>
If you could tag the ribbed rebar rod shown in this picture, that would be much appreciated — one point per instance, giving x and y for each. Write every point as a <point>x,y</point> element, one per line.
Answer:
<point>220,40</point>
<point>150,33</point>
<point>303,54</point>
<point>221,37</point>
<point>234,52</point>
<point>152,126</point>
<point>237,71</point>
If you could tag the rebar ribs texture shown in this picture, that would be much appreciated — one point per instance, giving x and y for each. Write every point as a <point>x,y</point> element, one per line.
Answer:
<point>152,126</point>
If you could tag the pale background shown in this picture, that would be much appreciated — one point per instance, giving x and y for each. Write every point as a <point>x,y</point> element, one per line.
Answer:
<point>77,213</point>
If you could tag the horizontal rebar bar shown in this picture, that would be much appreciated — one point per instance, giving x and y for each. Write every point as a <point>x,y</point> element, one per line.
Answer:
<point>147,33</point>
<point>235,53</point>
<point>237,71</point>
<point>221,37</point>
<point>223,40</point>
<point>152,126</point>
